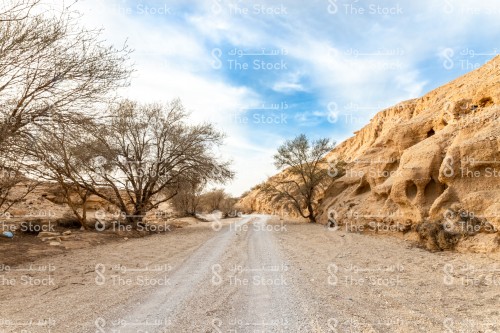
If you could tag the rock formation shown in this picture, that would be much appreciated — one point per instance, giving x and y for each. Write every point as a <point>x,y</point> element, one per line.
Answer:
<point>428,167</point>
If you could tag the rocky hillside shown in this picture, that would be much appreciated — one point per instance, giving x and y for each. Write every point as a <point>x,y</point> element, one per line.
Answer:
<point>428,169</point>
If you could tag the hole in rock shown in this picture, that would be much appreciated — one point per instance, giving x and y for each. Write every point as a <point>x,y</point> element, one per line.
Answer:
<point>431,133</point>
<point>485,101</point>
<point>411,190</point>
<point>432,191</point>
<point>363,188</point>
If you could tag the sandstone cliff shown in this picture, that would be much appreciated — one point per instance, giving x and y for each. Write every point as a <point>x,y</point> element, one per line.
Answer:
<point>428,168</point>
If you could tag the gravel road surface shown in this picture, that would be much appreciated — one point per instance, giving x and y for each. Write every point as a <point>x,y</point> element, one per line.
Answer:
<point>254,274</point>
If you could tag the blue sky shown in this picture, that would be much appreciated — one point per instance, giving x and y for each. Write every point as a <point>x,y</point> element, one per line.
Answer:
<point>265,71</point>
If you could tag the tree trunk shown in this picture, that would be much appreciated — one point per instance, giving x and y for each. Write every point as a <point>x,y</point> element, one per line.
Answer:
<point>84,216</point>
<point>137,217</point>
<point>312,217</point>
<point>84,198</point>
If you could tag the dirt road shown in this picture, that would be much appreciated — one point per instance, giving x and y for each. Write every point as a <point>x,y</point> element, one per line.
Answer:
<point>254,274</point>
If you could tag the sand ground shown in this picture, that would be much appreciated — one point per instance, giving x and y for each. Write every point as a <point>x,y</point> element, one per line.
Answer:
<point>253,274</point>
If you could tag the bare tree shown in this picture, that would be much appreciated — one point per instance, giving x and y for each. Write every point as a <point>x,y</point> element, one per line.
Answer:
<point>144,154</point>
<point>51,153</point>
<point>16,10</point>
<point>137,158</point>
<point>14,188</point>
<point>188,200</point>
<point>213,199</point>
<point>218,200</point>
<point>227,206</point>
<point>49,69</point>
<point>50,66</point>
<point>305,175</point>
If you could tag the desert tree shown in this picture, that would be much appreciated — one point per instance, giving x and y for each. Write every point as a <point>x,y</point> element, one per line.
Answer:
<point>187,202</point>
<point>136,157</point>
<point>49,68</point>
<point>52,153</point>
<point>16,10</point>
<point>218,200</point>
<point>14,188</point>
<point>143,154</point>
<point>49,64</point>
<point>228,206</point>
<point>14,185</point>
<point>306,173</point>
<point>213,199</point>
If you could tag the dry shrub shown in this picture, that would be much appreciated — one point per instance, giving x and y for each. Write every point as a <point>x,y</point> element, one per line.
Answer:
<point>435,237</point>
<point>68,222</point>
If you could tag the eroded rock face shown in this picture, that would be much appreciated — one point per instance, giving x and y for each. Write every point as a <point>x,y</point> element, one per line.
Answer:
<point>429,165</point>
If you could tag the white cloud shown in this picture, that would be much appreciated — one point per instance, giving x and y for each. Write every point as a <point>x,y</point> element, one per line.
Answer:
<point>336,57</point>
<point>171,63</point>
<point>291,83</point>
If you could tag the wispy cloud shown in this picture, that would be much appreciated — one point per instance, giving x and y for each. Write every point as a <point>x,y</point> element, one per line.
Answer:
<point>266,70</point>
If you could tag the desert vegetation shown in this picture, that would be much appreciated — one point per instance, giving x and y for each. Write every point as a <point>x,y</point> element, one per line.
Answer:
<point>193,200</point>
<point>308,174</point>
<point>63,123</point>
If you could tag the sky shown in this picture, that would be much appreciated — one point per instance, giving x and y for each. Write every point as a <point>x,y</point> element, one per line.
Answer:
<point>265,71</point>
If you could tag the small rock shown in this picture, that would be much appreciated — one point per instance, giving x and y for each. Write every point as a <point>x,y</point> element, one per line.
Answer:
<point>7,234</point>
<point>66,233</point>
<point>125,238</point>
<point>44,239</point>
<point>54,243</point>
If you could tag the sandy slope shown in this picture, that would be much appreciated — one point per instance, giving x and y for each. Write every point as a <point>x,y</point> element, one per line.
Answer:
<point>255,275</point>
